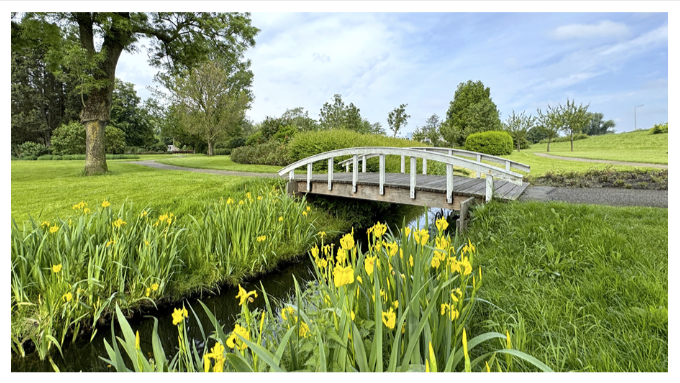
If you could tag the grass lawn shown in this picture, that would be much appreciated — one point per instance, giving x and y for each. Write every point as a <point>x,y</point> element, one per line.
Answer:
<point>640,146</point>
<point>201,161</point>
<point>580,287</point>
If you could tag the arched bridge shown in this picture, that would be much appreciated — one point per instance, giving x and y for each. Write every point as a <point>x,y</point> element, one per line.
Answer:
<point>414,189</point>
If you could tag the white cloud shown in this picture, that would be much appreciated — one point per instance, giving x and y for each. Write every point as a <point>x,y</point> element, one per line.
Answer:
<point>647,40</point>
<point>605,29</point>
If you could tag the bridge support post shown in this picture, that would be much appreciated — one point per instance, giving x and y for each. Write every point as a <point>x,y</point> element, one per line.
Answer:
<point>355,173</point>
<point>291,188</point>
<point>412,177</point>
<point>424,166</point>
<point>309,177</point>
<point>403,164</point>
<point>330,173</point>
<point>489,187</point>
<point>449,183</point>
<point>462,221</point>
<point>382,174</point>
<point>363,164</point>
<point>479,159</point>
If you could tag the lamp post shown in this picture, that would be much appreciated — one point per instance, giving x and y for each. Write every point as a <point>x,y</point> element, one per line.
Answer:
<point>635,114</point>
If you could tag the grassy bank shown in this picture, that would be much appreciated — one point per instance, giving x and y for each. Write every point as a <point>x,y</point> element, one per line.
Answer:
<point>582,287</point>
<point>640,146</point>
<point>201,161</point>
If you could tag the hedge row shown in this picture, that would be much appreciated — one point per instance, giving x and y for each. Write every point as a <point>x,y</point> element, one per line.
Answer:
<point>81,157</point>
<point>269,153</point>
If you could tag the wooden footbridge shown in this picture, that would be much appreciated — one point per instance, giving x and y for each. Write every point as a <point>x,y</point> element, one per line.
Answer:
<point>446,192</point>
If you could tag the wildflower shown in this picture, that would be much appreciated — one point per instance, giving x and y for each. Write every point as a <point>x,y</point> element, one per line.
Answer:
<point>401,254</point>
<point>465,349</point>
<point>249,196</point>
<point>45,224</point>
<point>309,208</point>
<point>315,251</point>
<point>351,313</point>
<point>244,296</point>
<point>389,318</point>
<point>435,261</point>
<point>67,297</point>
<point>395,304</point>
<point>391,248</point>
<point>410,260</point>
<point>56,268</point>
<point>421,236</point>
<point>259,198</point>
<point>453,263</point>
<point>54,229</point>
<point>229,201</point>
<point>143,214</point>
<point>169,221</point>
<point>347,241</point>
<point>441,243</point>
<point>235,341</point>
<point>508,342</point>
<point>148,291</point>
<point>322,234</point>
<point>342,256</point>
<point>369,263</point>
<point>137,340</point>
<point>86,210</point>
<point>343,275</point>
<point>453,313</point>
<point>287,311</point>
<point>79,205</point>
<point>304,329</point>
<point>456,294</point>
<point>379,229</point>
<point>261,238</point>
<point>216,353</point>
<point>359,279</point>
<point>465,266</point>
<point>322,263</point>
<point>110,242</point>
<point>240,202</point>
<point>403,328</point>
<point>146,243</point>
<point>154,287</point>
<point>378,245</point>
<point>163,218</point>
<point>106,203</point>
<point>441,224</point>
<point>280,219</point>
<point>407,231</point>
<point>179,315</point>
<point>118,223</point>
<point>487,367</point>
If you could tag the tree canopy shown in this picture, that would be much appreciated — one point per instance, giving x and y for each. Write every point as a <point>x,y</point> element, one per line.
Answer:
<point>598,126</point>
<point>470,111</point>
<point>397,118</point>
<point>93,42</point>
<point>518,125</point>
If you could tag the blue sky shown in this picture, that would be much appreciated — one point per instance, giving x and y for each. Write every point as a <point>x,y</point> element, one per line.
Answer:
<point>613,61</point>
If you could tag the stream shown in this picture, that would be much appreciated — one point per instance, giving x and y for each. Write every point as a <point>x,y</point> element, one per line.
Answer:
<point>84,355</point>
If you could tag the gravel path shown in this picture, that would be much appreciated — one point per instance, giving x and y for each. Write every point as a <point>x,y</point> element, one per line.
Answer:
<point>597,196</point>
<point>658,166</point>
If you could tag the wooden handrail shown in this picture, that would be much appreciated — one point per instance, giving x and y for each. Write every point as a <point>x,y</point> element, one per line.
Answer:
<point>366,152</point>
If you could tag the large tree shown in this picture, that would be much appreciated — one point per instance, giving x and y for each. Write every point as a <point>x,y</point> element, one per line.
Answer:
<point>340,116</point>
<point>397,118</point>
<point>518,125</point>
<point>574,118</point>
<point>550,122</point>
<point>178,41</point>
<point>429,131</point>
<point>211,102</point>
<point>471,111</point>
<point>598,125</point>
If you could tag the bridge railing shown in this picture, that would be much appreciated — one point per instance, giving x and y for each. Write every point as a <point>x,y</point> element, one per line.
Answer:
<point>490,171</point>
<point>452,152</point>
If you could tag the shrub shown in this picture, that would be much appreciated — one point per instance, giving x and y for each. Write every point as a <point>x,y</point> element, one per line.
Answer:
<point>28,158</point>
<point>285,134</point>
<point>306,144</point>
<point>236,143</point>
<point>269,153</point>
<point>115,140</point>
<point>255,139</point>
<point>46,157</point>
<point>158,147</point>
<point>492,142</point>
<point>222,152</point>
<point>33,149</point>
<point>659,128</point>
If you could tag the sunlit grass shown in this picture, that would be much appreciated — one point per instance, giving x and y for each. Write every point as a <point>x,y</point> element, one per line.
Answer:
<point>201,161</point>
<point>583,287</point>
<point>640,146</point>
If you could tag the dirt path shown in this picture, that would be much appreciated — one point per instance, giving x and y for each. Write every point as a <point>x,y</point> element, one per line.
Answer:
<point>658,166</point>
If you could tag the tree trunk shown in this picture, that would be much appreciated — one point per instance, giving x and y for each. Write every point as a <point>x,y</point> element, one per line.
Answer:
<point>549,138</point>
<point>95,147</point>
<point>211,151</point>
<point>517,146</point>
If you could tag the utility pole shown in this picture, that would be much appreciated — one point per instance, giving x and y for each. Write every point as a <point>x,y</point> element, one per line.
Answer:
<point>635,114</point>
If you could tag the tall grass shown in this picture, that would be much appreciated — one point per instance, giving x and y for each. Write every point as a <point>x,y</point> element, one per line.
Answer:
<point>66,274</point>
<point>405,305</point>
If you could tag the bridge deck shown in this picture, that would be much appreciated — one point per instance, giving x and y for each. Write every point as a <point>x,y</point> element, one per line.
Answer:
<point>462,186</point>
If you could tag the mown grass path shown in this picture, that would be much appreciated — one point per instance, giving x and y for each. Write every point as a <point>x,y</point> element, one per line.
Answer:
<point>157,165</point>
<point>625,163</point>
